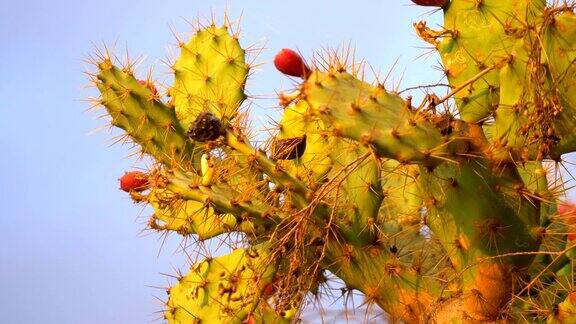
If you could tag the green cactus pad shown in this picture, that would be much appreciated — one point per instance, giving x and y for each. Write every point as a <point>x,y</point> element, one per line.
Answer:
<point>513,111</point>
<point>560,53</point>
<point>134,108</point>
<point>326,158</point>
<point>535,115</point>
<point>374,117</point>
<point>478,34</point>
<point>360,195</point>
<point>188,216</point>
<point>474,212</point>
<point>225,289</point>
<point>210,75</point>
<point>385,277</point>
<point>402,201</point>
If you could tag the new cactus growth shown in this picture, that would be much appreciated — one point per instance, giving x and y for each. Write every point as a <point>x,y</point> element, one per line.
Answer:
<point>436,217</point>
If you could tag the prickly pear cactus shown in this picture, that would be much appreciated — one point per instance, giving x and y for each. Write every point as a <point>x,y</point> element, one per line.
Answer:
<point>434,215</point>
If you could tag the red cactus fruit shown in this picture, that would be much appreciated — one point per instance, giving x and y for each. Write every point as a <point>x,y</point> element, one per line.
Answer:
<point>291,63</point>
<point>134,181</point>
<point>431,3</point>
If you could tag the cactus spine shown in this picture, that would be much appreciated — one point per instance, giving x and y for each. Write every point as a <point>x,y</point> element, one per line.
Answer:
<point>433,216</point>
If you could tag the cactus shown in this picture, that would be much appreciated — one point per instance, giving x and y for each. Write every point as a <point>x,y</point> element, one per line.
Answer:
<point>434,216</point>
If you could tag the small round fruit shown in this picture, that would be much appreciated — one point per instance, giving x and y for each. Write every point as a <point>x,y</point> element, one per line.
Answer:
<point>291,63</point>
<point>134,181</point>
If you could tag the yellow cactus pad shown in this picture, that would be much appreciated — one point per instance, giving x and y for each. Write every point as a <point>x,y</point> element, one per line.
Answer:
<point>188,216</point>
<point>209,76</point>
<point>225,289</point>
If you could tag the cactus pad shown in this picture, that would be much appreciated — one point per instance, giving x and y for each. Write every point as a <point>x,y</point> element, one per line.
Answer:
<point>225,289</point>
<point>209,76</point>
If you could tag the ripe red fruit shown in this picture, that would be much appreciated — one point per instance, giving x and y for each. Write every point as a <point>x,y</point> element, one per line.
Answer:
<point>134,181</point>
<point>291,63</point>
<point>431,3</point>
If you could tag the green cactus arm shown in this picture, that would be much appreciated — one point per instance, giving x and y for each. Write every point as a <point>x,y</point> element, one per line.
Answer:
<point>483,216</point>
<point>384,121</point>
<point>349,176</point>
<point>280,177</point>
<point>480,210</point>
<point>390,260</point>
<point>559,39</point>
<point>209,75</point>
<point>359,195</point>
<point>403,201</point>
<point>153,125</point>
<point>530,95</point>
<point>535,116</point>
<point>222,198</point>
<point>398,271</point>
<point>188,216</point>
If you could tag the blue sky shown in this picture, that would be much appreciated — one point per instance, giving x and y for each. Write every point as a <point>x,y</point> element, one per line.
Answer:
<point>71,247</point>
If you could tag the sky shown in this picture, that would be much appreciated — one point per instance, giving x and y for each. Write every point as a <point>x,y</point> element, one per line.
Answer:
<point>72,248</point>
